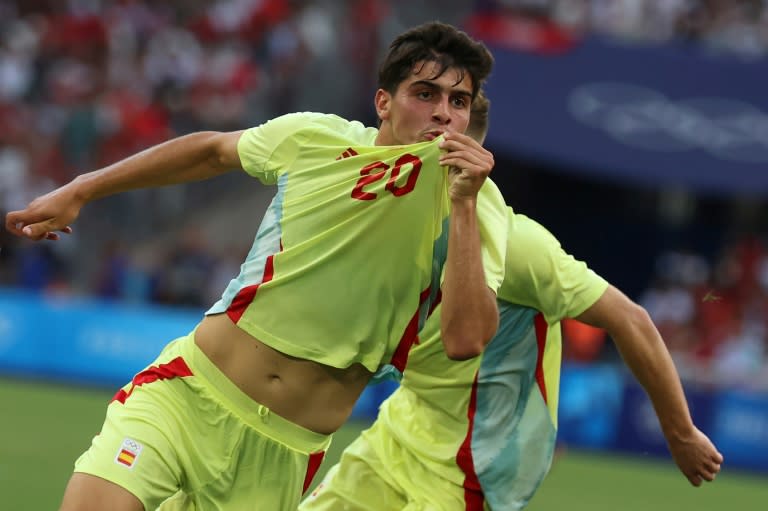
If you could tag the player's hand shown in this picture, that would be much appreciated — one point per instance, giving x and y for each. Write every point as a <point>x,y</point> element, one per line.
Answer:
<point>697,457</point>
<point>46,216</point>
<point>469,164</point>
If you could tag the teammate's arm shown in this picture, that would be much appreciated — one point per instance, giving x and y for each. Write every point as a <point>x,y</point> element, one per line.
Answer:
<point>469,316</point>
<point>644,352</point>
<point>192,157</point>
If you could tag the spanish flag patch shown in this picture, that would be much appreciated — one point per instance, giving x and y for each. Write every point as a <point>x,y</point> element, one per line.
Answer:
<point>128,453</point>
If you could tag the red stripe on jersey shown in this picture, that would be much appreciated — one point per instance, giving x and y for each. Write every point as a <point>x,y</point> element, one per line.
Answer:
<point>245,296</point>
<point>410,336</point>
<point>173,369</point>
<point>541,340</point>
<point>315,459</point>
<point>473,493</point>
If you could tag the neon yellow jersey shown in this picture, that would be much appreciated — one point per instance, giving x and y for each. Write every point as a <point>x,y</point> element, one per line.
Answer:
<point>347,260</point>
<point>489,424</point>
<point>492,222</point>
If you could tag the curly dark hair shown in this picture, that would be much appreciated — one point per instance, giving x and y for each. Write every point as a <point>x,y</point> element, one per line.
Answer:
<point>478,117</point>
<point>436,42</point>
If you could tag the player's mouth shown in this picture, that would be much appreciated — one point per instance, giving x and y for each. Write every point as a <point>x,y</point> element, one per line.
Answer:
<point>431,135</point>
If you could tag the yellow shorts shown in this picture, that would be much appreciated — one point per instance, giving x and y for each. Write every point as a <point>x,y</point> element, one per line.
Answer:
<point>375,473</point>
<point>183,429</point>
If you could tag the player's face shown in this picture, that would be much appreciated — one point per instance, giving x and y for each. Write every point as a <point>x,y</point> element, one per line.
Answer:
<point>424,107</point>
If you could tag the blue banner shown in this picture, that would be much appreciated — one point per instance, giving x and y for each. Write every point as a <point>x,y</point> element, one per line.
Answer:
<point>590,399</point>
<point>105,344</point>
<point>638,426</point>
<point>653,115</point>
<point>740,429</point>
<point>81,340</point>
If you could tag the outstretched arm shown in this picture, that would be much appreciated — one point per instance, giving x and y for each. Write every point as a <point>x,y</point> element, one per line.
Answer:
<point>469,316</point>
<point>644,352</point>
<point>184,159</point>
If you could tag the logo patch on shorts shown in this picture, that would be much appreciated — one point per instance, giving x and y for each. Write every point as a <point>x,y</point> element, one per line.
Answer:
<point>128,453</point>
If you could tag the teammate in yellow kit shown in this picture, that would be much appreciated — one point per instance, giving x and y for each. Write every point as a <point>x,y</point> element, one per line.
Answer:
<point>480,434</point>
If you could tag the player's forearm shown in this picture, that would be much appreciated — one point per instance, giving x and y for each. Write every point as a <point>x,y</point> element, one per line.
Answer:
<point>644,352</point>
<point>469,316</point>
<point>184,159</point>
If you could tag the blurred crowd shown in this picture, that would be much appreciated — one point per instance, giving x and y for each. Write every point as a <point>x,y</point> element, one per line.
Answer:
<point>736,27</point>
<point>86,82</point>
<point>711,311</point>
<point>714,314</point>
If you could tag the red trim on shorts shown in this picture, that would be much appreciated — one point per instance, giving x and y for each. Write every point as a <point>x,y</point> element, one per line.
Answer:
<point>473,493</point>
<point>176,368</point>
<point>315,459</point>
<point>410,336</point>
<point>245,296</point>
<point>541,340</point>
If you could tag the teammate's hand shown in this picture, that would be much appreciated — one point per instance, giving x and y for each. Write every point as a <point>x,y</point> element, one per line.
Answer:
<point>469,163</point>
<point>46,216</point>
<point>697,457</point>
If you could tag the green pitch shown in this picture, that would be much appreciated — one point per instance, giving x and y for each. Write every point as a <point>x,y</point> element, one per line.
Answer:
<point>591,482</point>
<point>44,427</point>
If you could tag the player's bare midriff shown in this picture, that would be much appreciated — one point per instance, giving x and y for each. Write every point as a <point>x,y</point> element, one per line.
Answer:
<point>315,396</point>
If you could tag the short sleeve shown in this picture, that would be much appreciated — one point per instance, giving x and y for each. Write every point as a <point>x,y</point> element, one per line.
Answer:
<point>541,275</point>
<point>264,150</point>
<point>493,219</point>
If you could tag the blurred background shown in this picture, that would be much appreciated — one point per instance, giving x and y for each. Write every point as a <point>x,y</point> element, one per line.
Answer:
<point>636,131</point>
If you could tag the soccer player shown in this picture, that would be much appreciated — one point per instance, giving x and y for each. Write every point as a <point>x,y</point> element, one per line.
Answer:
<point>480,434</point>
<point>237,414</point>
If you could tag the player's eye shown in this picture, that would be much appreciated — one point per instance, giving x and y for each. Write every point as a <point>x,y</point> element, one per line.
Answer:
<point>425,94</point>
<point>459,102</point>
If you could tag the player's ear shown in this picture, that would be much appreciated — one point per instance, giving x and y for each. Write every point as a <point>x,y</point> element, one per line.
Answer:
<point>383,102</point>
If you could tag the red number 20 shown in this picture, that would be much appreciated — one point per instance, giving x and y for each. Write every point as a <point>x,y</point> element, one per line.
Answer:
<point>377,170</point>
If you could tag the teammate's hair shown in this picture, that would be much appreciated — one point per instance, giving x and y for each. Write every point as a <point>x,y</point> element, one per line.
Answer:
<point>478,117</point>
<point>436,42</point>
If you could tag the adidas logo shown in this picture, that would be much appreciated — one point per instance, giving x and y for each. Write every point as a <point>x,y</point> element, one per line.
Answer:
<point>347,154</point>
